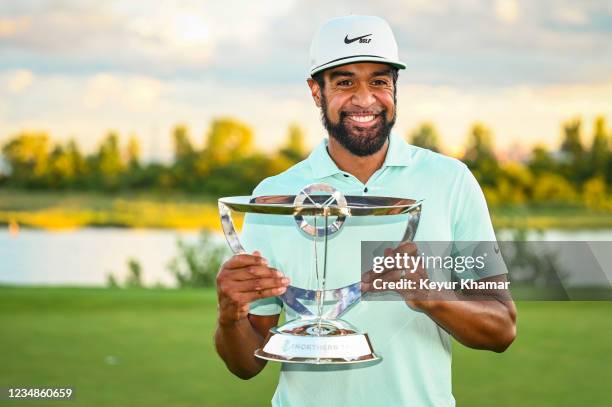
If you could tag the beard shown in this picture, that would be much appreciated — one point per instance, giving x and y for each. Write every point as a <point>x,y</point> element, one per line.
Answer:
<point>360,141</point>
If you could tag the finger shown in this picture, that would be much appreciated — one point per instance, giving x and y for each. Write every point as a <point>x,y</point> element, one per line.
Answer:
<point>256,295</point>
<point>369,276</point>
<point>255,272</point>
<point>366,286</point>
<point>244,260</point>
<point>261,284</point>
<point>393,275</point>
<point>407,247</point>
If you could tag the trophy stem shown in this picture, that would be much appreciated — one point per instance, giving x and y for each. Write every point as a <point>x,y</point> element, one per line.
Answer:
<point>323,284</point>
<point>321,278</point>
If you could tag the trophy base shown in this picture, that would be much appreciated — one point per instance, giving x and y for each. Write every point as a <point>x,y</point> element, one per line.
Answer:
<point>317,341</point>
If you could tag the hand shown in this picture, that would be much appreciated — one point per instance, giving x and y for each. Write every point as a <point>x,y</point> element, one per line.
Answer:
<point>243,279</point>
<point>390,278</point>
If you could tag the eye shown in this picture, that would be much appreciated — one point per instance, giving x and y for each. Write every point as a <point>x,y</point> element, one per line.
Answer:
<point>344,82</point>
<point>380,82</point>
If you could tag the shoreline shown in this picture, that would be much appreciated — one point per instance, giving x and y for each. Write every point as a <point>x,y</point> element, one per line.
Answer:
<point>67,210</point>
<point>207,218</point>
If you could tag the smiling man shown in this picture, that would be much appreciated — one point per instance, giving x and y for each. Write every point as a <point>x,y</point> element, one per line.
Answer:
<point>353,81</point>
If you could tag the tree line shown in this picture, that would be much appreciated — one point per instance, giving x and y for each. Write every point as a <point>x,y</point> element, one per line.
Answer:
<point>577,172</point>
<point>229,163</point>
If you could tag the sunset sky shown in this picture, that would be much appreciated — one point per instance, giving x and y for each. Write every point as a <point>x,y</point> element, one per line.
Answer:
<point>82,67</point>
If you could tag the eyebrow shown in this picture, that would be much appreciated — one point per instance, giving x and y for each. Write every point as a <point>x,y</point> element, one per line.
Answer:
<point>336,74</point>
<point>386,72</point>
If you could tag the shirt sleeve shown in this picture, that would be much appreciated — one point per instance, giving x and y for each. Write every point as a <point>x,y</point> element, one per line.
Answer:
<point>473,233</point>
<point>471,220</point>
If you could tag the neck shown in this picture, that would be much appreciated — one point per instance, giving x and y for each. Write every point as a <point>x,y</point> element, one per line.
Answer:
<point>361,167</point>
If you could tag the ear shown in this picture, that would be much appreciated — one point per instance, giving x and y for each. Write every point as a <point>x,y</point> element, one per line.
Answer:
<point>315,91</point>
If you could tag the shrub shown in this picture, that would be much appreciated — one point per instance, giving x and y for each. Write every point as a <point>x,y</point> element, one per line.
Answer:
<point>551,187</point>
<point>594,193</point>
<point>197,264</point>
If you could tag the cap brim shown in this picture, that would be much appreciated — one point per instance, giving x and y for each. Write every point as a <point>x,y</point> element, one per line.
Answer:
<point>356,58</point>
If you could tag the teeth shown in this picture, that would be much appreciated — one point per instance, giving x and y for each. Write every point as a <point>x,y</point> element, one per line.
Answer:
<point>363,119</point>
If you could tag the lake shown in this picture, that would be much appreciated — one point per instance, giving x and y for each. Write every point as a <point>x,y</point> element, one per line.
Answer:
<point>86,256</point>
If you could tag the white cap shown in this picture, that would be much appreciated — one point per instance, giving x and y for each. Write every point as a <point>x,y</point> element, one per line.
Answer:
<point>345,40</point>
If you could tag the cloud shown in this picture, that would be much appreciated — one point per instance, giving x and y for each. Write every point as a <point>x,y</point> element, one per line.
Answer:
<point>507,11</point>
<point>258,43</point>
<point>19,80</point>
<point>11,27</point>
<point>168,38</point>
<point>571,16</point>
<point>463,42</point>
<point>517,114</point>
<point>131,93</point>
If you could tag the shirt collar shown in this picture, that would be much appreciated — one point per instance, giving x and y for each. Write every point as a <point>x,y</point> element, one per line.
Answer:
<point>322,165</point>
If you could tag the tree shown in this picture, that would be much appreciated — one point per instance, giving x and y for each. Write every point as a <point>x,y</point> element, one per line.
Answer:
<point>480,156</point>
<point>76,159</point>
<point>573,163</point>
<point>27,155</point>
<point>229,163</point>
<point>107,162</point>
<point>572,143</point>
<point>425,136</point>
<point>600,149</point>
<point>294,150</point>
<point>228,140</point>
<point>541,160</point>
<point>183,148</point>
<point>61,169</point>
<point>515,183</point>
<point>184,170</point>
<point>132,152</point>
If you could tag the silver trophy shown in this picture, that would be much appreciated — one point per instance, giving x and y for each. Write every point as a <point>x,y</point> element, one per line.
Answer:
<point>318,335</point>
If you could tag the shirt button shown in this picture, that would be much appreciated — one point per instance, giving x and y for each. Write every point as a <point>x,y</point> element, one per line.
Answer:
<point>346,175</point>
<point>365,189</point>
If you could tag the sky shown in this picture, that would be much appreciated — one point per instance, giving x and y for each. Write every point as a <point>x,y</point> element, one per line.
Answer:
<point>79,68</point>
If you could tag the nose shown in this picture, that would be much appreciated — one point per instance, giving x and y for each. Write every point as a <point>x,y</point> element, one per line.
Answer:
<point>363,97</point>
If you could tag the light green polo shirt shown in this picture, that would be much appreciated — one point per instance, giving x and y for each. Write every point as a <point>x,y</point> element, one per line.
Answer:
<point>415,369</point>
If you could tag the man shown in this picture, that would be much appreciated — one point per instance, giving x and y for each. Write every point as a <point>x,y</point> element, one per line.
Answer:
<point>353,81</point>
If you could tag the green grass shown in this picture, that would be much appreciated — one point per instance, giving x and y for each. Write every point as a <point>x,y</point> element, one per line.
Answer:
<point>161,341</point>
<point>68,210</point>
<point>561,357</point>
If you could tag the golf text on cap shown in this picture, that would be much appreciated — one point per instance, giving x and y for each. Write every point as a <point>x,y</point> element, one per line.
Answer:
<point>361,39</point>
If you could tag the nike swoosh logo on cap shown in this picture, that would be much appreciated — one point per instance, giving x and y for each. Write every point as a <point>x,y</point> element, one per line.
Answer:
<point>348,41</point>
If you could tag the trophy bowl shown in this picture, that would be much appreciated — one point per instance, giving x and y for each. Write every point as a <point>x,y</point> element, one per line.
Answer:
<point>318,335</point>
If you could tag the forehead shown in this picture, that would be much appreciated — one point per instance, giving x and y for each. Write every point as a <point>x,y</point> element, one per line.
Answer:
<point>365,69</point>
